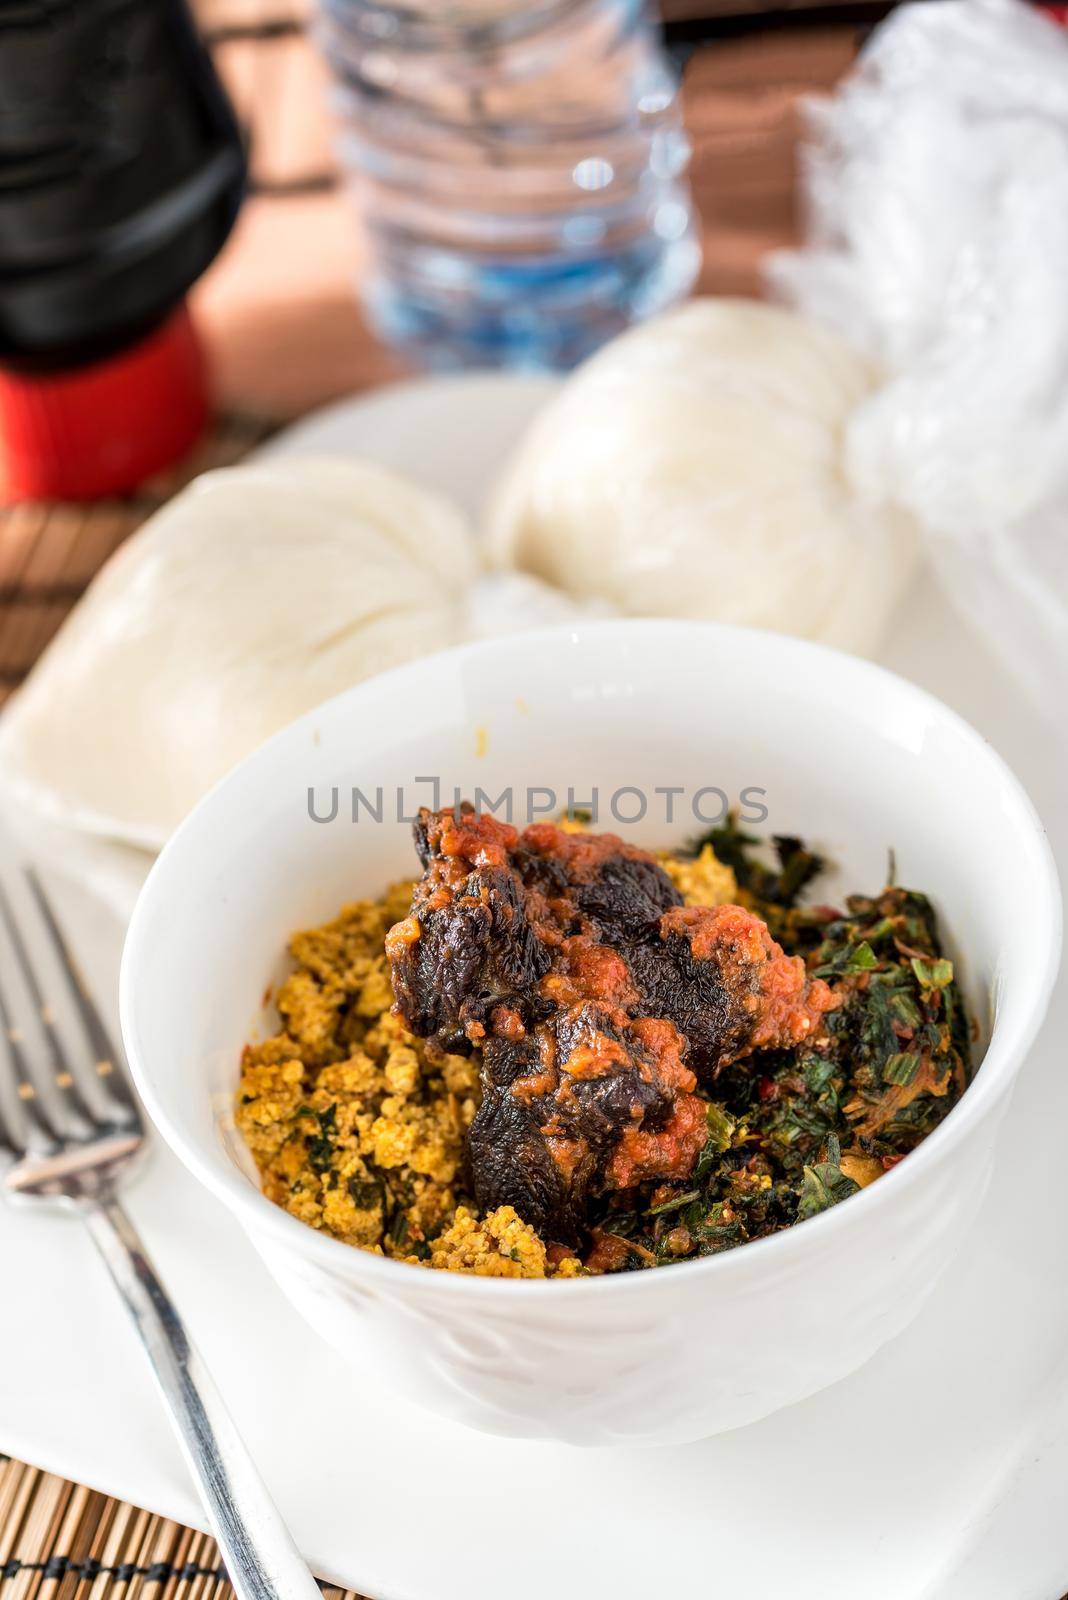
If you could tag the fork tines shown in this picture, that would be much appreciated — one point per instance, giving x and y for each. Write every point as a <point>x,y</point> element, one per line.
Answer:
<point>62,1092</point>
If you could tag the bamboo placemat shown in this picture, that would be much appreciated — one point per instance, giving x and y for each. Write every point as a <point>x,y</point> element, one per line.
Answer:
<point>59,1541</point>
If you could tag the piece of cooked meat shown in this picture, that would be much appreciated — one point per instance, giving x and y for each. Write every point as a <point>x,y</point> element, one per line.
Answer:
<point>594,998</point>
<point>619,890</point>
<point>586,1100</point>
<point>493,909</point>
<point>720,977</point>
<point>475,936</point>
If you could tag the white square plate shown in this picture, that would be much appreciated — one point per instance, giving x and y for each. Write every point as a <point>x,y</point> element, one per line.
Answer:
<point>938,1472</point>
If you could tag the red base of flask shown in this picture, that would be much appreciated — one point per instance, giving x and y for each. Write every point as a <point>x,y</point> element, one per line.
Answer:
<point>105,427</point>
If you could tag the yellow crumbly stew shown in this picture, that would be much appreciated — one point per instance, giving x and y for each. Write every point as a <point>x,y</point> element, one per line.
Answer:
<point>357,1127</point>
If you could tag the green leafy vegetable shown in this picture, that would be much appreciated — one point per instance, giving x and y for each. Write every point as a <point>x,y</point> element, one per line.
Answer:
<point>788,1128</point>
<point>821,1186</point>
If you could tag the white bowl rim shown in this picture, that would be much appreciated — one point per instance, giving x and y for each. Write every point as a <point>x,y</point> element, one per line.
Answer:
<point>1005,1048</point>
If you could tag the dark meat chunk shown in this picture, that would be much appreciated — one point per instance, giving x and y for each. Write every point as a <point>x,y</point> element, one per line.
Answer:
<point>470,942</point>
<point>493,908</point>
<point>587,1100</point>
<point>619,890</point>
<point>593,995</point>
<point>719,976</point>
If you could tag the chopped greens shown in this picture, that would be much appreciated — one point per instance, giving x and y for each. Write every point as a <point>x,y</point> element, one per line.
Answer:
<point>794,1132</point>
<point>797,865</point>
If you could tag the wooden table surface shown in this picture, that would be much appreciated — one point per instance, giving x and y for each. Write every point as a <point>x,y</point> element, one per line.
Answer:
<point>284,334</point>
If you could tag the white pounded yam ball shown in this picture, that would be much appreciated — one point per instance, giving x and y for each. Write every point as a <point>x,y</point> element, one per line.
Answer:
<point>250,598</point>
<point>694,468</point>
<point>423,527</point>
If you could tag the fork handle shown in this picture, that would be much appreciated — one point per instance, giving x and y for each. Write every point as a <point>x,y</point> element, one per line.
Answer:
<point>261,1560</point>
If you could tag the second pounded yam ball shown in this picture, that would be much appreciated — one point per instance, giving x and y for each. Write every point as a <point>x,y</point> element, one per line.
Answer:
<point>696,467</point>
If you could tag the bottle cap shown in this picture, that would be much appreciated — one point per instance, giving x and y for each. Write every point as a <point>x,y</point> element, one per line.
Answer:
<point>102,428</point>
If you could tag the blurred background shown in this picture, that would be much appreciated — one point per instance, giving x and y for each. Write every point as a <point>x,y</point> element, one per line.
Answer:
<point>278,306</point>
<point>278,309</point>
<point>521,202</point>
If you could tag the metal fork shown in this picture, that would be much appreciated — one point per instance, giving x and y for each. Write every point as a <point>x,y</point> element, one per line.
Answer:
<point>70,1129</point>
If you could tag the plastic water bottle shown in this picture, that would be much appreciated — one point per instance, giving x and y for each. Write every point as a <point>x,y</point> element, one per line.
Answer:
<point>520,167</point>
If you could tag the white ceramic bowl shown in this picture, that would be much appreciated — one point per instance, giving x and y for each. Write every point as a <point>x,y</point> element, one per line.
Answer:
<point>852,758</point>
